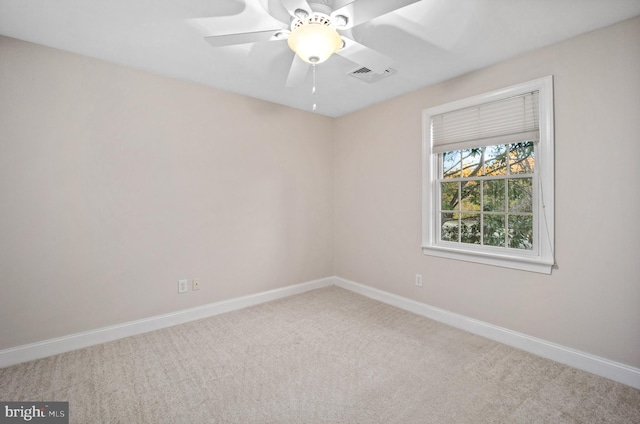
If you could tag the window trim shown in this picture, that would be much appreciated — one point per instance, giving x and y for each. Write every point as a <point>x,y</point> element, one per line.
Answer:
<point>541,261</point>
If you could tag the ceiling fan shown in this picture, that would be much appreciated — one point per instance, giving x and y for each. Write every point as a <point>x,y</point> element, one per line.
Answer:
<point>316,29</point>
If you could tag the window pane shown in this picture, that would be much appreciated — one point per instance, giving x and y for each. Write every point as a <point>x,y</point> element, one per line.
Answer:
<point>451,164</point>
<point>449,229</point>
<point>521,232</point>
<point>449,196</point>
<point>495,162</point>
<point>493,229</point>
<point>472,162</point>
<point>520,194</point>
<point>470,196</point>
<point>494,196</point>
<point>470,228</point>
<point>521,158</point>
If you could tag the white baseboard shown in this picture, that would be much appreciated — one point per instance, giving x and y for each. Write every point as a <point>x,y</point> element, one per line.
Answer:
<point>584,361</point>
<point>24,353</point>
<point>596,365</point>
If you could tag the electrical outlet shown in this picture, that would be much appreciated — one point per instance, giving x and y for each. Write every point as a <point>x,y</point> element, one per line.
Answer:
<point>419,280</point>
<point>195,284</point>
<point>183,286</point>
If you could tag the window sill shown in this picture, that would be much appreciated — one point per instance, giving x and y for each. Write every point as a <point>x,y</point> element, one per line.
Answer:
<point>532,264</point>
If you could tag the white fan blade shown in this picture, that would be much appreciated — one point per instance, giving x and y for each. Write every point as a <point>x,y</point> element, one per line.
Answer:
<point>298,72</point>
<point>224,8</point>
<point>360,11</point>
<point>246,37</point>
<point>293,5</point>
<point>277,10</point>
<point>365,56</point>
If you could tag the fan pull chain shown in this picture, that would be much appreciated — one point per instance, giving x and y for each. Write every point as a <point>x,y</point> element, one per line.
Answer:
<point>313,89</point>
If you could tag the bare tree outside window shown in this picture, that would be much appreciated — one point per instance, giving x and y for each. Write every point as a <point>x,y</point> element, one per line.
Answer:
<point>486,195</point>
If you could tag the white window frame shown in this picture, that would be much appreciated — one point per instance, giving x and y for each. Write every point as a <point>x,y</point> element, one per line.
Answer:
<point>542,258</point>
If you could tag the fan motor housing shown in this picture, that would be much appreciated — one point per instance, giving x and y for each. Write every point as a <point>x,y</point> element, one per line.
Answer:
<point>314,18</point>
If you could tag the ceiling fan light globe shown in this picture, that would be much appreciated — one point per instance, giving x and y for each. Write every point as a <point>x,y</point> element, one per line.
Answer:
<point>314,43</point>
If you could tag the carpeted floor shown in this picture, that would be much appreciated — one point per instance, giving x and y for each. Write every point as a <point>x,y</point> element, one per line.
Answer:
<point>325,356</point>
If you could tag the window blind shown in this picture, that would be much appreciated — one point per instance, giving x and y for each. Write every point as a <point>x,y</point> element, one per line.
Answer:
<point>504,121</point>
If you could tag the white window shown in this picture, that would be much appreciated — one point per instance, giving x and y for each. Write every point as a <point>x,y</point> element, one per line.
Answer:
<point>488,178</point>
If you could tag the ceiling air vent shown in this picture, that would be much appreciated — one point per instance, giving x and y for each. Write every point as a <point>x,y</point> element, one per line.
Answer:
<point>367,75</point>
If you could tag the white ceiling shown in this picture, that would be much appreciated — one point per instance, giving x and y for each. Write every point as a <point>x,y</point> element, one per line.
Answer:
<point>429,41</point>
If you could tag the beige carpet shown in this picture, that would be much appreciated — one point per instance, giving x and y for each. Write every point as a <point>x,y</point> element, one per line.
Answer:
<point>325,356</point>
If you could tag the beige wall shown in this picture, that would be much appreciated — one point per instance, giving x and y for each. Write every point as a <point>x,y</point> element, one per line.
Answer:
<point>115,183</point>
<point>591,302</point>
